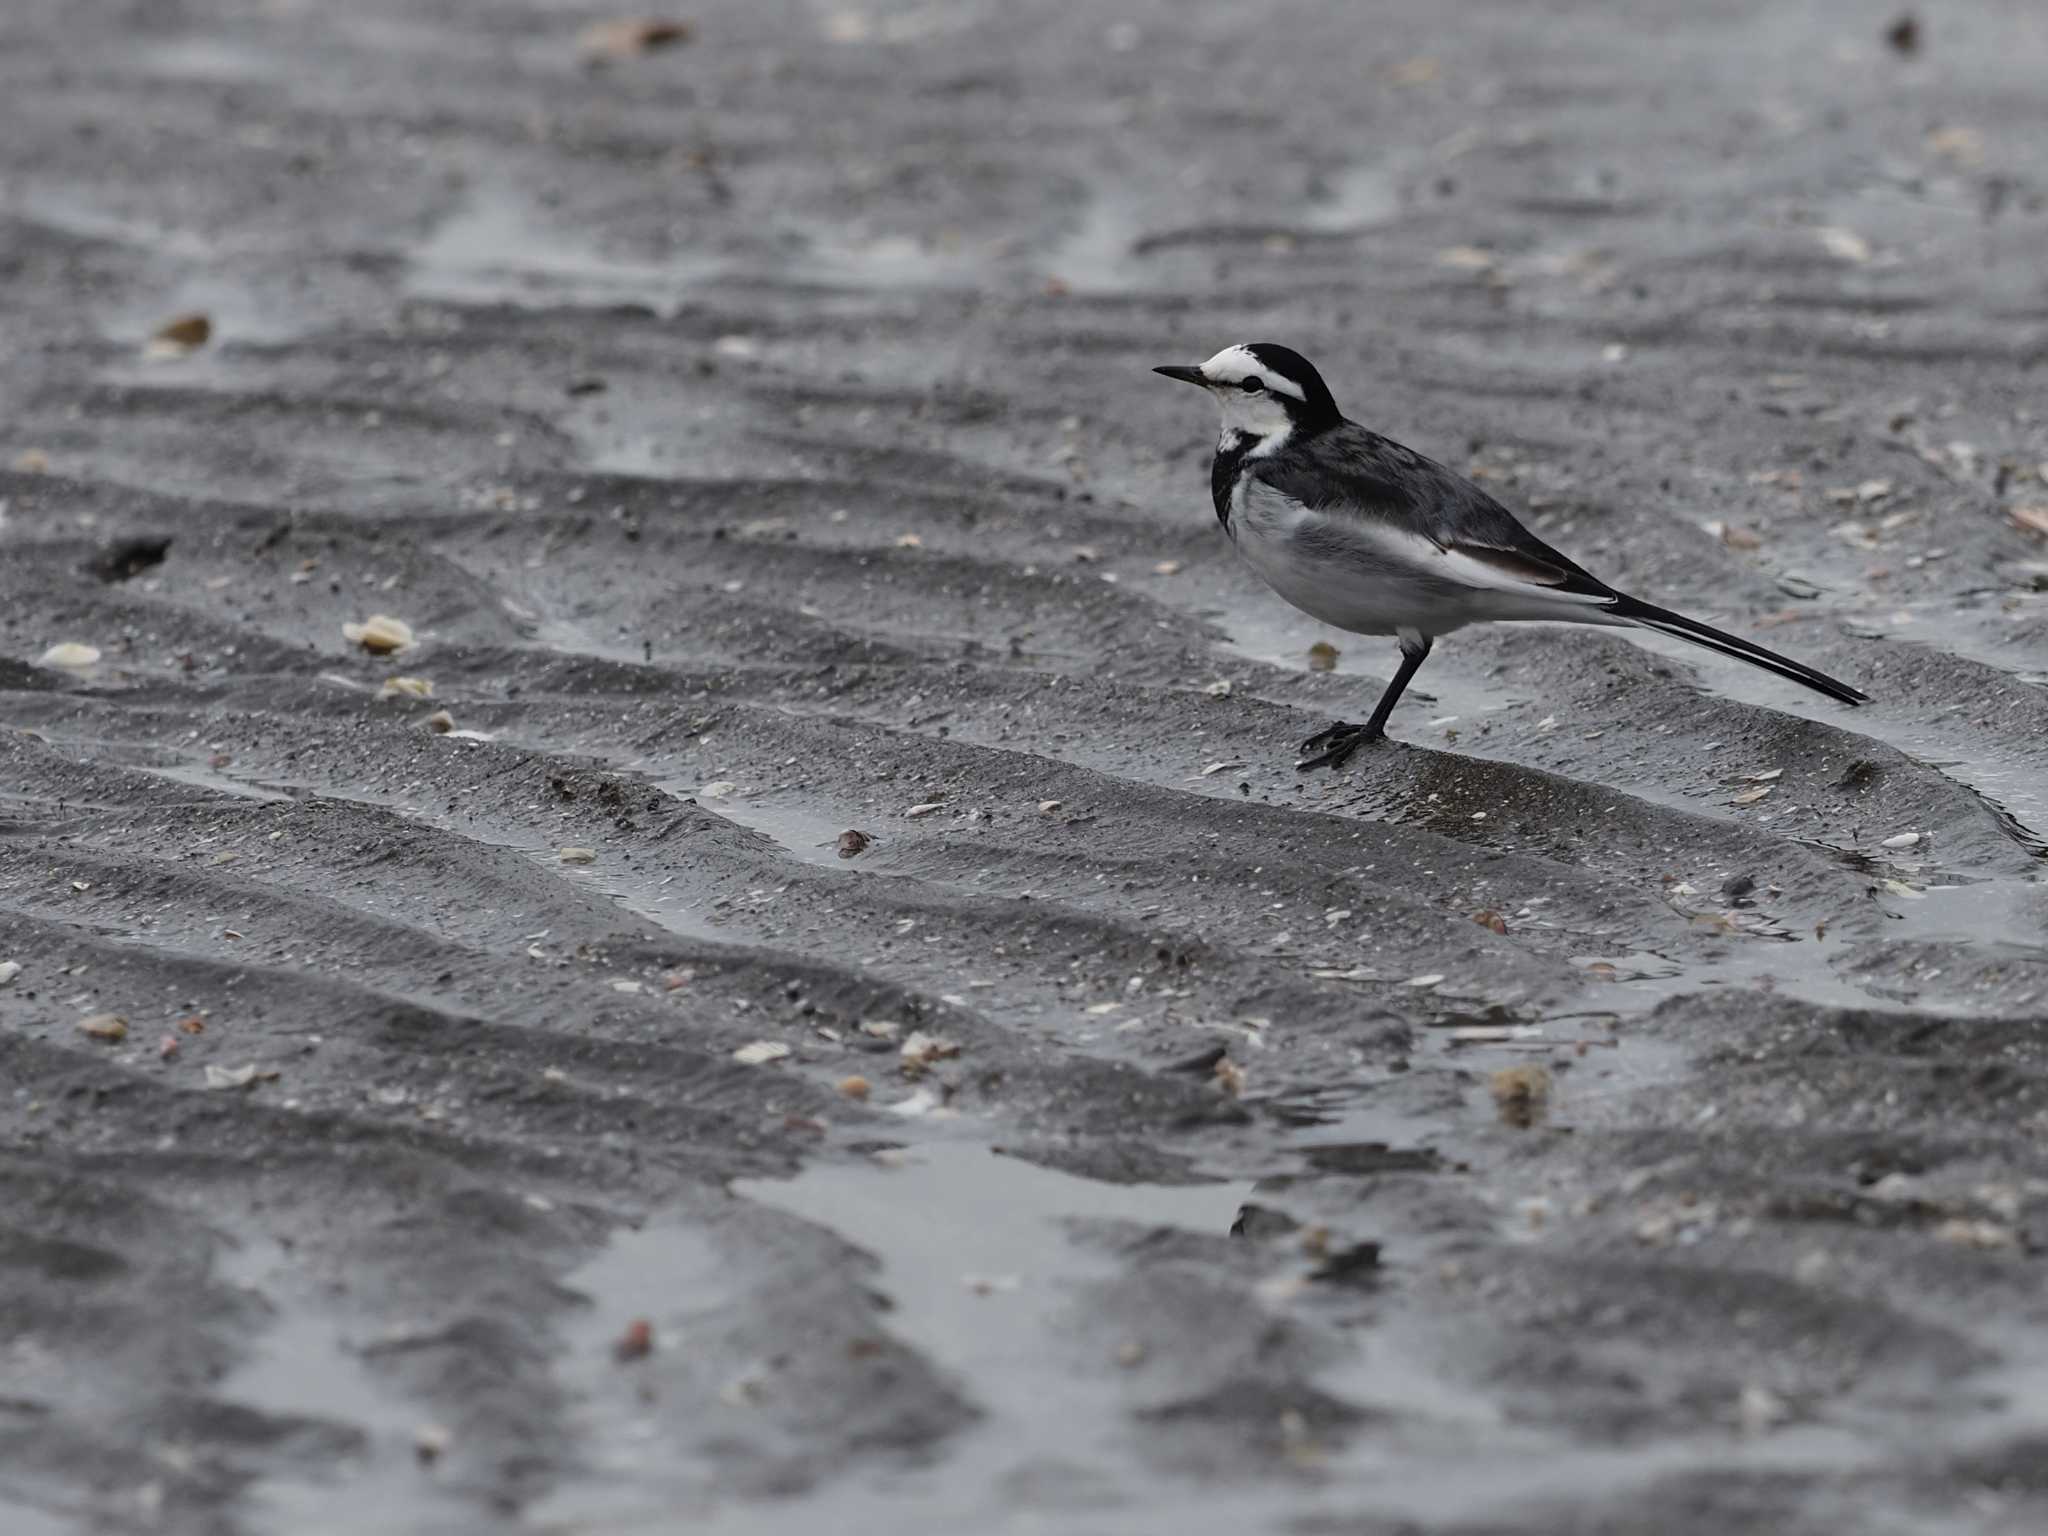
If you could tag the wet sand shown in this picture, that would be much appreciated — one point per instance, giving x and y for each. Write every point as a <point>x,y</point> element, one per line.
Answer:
<point>1616,1104</point>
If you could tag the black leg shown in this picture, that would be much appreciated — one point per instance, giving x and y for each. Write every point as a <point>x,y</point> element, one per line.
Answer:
<point>1412,658</point>
<point>1341,740</point>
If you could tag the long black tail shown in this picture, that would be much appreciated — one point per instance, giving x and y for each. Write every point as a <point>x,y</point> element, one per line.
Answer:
<point>1650,616</point>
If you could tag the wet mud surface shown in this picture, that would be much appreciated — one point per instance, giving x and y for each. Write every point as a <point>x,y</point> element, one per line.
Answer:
<point>1616,1103</point>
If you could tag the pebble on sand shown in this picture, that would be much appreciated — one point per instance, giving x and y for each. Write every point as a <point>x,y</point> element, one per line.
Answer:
<point>636,1343</point>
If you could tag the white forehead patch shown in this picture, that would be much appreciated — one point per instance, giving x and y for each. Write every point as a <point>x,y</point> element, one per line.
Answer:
<point>1233,365</point>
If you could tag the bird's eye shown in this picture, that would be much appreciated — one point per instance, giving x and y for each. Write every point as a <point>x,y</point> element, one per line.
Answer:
<point>1252,385</point>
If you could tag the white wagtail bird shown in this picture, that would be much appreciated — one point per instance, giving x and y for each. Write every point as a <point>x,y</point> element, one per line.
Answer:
<point>1373,538</point>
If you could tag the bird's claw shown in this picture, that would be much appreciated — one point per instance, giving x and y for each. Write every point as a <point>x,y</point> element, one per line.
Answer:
<point>1337,743</point>
<point>1327,735</point>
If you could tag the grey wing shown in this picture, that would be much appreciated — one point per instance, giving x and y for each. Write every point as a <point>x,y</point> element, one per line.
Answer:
<point>1351,472</point>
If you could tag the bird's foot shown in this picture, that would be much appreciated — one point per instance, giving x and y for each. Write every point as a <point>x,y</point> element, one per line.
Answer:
<point>1328,734</point>
<point>1337,744</point>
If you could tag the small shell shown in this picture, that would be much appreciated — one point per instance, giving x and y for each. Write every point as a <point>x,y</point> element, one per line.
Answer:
<point>921,1050</point>
<point>237,1077</point>
<point>630,37</point>
<point>176,338</point>
<point>380,634</point>
<point>1521,1094</point>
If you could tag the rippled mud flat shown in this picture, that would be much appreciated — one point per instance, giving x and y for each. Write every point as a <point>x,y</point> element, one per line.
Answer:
<point>1617,1103</point>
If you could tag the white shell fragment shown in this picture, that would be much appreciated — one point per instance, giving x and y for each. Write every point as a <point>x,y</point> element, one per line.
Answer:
<point>70,654</point>
<point>758,1053</point>
<point>380,634</point>
<point>921,1050</point>
<point>239,1077</point>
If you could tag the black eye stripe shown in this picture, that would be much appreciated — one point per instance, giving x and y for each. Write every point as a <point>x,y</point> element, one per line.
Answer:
<point>1253,385</point>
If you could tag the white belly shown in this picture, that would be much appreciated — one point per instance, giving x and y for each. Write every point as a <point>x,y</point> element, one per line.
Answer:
<point>1363,602</point>
<point>1373,578</point>
<point>1348,583</point>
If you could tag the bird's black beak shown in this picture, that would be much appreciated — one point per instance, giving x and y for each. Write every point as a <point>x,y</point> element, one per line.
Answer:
<point>1185,374</point>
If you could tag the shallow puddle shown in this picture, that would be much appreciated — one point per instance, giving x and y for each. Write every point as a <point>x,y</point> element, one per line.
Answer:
<point>497,249</point>
<point>808,835</point>
<point>982,1278</point>
<point>300,1364</point>
<point>985,1280</point>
